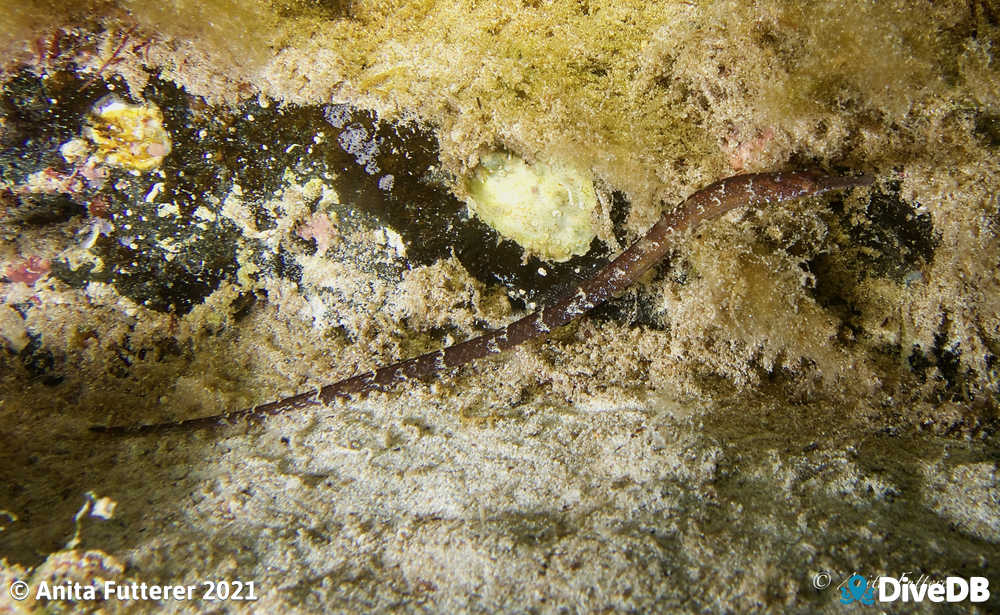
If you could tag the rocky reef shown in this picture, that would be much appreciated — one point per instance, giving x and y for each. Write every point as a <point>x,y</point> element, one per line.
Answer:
<point>210,205</point>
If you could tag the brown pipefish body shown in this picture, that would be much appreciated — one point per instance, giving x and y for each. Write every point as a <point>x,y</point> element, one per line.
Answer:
<point>710,202</point>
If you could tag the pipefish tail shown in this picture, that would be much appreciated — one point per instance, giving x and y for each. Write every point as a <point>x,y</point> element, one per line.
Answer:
<point>752,190</point>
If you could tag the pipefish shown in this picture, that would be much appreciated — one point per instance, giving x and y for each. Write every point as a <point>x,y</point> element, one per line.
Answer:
<point>751,190</point>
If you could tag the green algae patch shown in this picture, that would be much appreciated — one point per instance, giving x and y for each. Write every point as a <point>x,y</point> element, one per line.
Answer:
<point>237,32</point>
<point>546,209</point>
<point>567,81</point>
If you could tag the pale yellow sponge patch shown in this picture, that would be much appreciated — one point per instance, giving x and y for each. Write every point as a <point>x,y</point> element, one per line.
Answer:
<point>547,209</point>
<point>128,136</point>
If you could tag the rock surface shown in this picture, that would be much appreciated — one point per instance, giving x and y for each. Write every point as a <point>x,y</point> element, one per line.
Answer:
<point>800,394</point>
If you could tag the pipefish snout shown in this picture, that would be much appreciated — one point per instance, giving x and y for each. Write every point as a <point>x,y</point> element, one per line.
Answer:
<point>751,190</point>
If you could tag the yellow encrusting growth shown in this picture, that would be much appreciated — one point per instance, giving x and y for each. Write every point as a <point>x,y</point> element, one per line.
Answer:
<point>128,136</point>
<point>547,209</point>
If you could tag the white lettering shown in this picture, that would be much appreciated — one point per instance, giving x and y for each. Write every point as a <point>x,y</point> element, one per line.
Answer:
<point>958,589</point>
<point>935,592</point>
<point>915,591</point>
<point>70,591</point>
<point>174,592</point>
<point>883,589</point>
<point>113,590</point>
<point>143,591</point>
<point>979,589</point>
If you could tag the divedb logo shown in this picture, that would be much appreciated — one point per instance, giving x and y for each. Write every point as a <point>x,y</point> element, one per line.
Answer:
<point>951,589</point>
<point>903,589</point>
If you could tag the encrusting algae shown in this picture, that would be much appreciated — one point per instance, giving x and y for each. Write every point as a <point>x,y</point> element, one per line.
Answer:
<point>126,135</point>
<point>545,208</point>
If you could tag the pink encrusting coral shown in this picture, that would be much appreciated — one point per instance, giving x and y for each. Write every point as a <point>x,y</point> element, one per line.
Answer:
<point>29,271</point>
<point>320,228</point>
